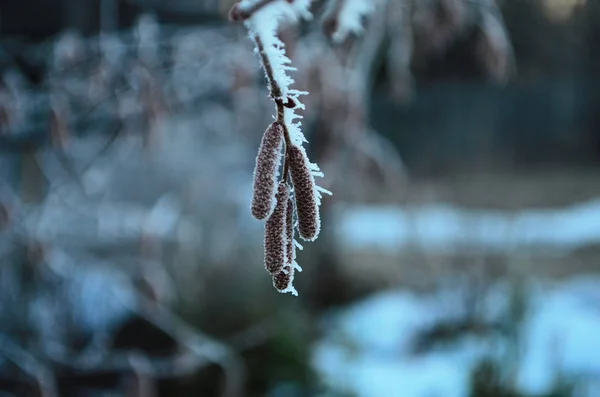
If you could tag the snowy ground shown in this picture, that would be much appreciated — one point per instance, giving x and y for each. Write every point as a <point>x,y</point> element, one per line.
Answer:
<point>443,227</point>
<point>365,348</point>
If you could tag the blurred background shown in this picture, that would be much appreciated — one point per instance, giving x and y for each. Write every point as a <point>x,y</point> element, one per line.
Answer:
<point>459,254</point>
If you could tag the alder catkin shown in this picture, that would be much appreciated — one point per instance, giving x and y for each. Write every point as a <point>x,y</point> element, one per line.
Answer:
<point>290,250</point>
<point>283,279</point>
<point>275,232</point>
<point>307,208</point>
<point>266,170</point>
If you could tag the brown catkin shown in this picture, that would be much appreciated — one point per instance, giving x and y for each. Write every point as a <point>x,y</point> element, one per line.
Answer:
<point>282,279</point>
<point>275,232</point>
<point>266,170</point>
<point>307,208</point>
<point>290,250</point>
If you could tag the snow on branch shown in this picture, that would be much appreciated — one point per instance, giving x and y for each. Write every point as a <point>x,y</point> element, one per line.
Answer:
<point>262,19</point>
<point>345,17</point>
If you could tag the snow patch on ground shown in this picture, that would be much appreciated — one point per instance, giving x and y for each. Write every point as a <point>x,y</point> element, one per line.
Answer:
<point>364,350</point>
<point>442,227</point>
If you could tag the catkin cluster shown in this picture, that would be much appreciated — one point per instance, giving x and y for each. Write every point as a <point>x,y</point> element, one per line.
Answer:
<point>286,205</point>
<point>292,201</point>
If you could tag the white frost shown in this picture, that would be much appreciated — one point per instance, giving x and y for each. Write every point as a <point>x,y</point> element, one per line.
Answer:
<point>350,18</point>
<point>263,26</point>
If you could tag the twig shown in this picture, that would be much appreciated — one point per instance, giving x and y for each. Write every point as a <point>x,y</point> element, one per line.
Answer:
<point>201,345</point>
<point>29,365</point>
<point>367,57</point>
<point>116,132</point>
<point>144,384</point>
<point>200,350</point>
<point>253,336</point>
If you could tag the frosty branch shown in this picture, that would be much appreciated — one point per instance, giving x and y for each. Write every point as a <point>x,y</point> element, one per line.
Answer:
<point>291,202</point>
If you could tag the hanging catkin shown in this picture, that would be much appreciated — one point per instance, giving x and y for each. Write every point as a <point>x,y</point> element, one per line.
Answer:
<point>290,250</point>
<point>283,279</point>
<point>271,203</point>
<point>307,209</point>
<point>275,232</point>
<point>266,170</point>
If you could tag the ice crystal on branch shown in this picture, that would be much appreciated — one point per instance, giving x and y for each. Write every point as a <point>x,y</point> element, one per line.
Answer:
<point>262,18</point>
<point>263,25</point>
<point>345,17</point>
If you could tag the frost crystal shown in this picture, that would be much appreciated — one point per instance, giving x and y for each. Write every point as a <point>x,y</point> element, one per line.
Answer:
<point>349,15</point>
<point>262,19</point>
<point>263,24</point>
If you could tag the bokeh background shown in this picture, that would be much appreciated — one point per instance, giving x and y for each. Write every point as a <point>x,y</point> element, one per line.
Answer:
<point>459,254</point>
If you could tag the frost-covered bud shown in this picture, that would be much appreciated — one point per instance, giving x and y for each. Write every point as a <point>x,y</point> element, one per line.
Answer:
<point>290,250</point>
<point>290,103</point>
<point>275,232</point>
<point>307,208</point>
<point>266,170</point>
